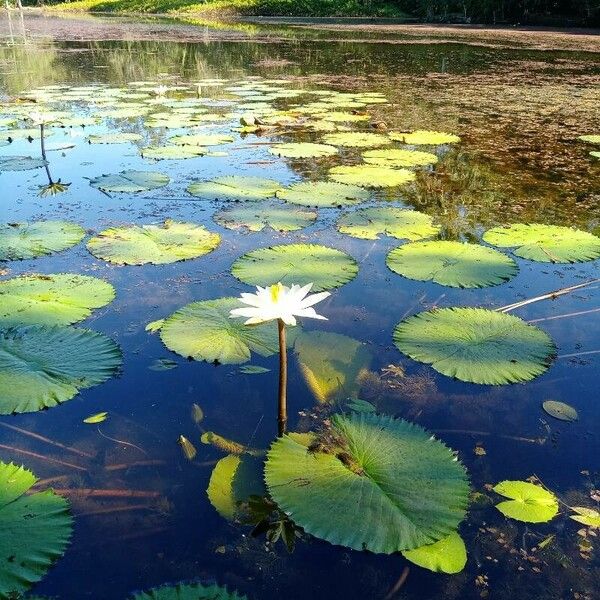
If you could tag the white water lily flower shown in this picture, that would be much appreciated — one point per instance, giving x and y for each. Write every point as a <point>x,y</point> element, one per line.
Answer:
<point>279,302</point>
<point>40,118</point>
<point>161,90</point>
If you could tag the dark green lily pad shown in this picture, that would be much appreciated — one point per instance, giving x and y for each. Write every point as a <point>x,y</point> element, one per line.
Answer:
<point>193,591</point>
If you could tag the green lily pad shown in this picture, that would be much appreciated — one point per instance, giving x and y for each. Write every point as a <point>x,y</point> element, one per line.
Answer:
<point>586,516</point>
<point>590,139</point>
<point>476,345</point>
<point>368,223</point>
<point>194,591</point>
<point>356,139</point>
<point>546,243</point>
<point>595,154</point>
<point>130,181</point>
<point>235,187</point>
<point>42,366</point>
<point>233,480</point>
<point>204,139</point>
<point>172,152</point>
<point>323,194</point>
<point>155,244</point>
<point>204,331</point>
<point>371,176</point>
<point>454,264</point>
<point>395,157</point>
<point>331,364</point>
<point>36,529</point>
<point>303,150</point>
<point>448,555</point>
<point>560,410</point>
<point>255,217</point>
<point>300,264</point>
<point>19,241</point>
<point>528,502</point>
<point>114,138</point>
<point>372,488</point>
<point>423,137</point>
<point>20,163</point>
<point>60,299</point>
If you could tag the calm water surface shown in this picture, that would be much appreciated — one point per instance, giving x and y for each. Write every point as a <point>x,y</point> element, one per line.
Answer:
<point>519,113</point>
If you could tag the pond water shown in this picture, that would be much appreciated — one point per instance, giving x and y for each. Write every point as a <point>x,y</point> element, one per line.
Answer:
<point>142,516</point>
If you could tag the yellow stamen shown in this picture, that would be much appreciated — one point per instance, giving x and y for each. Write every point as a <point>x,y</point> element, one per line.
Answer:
<point>275,290</point>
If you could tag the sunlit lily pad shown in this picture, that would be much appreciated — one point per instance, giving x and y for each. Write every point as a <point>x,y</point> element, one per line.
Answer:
<point>130,181</point>
<point>193,591</point>
<point>372,488</point>
<point>476,345</point>
<point>586,516</point>
<point>36,528</point>
<point>233,480</point>
<point>560,410</point>
<point>205,331</point>
<point>60,299</point>
<point>303,150</point>
<point>20,163</point>
<point>255,217</point>
<point>19,241</point>
<point>395,157</point>
<point>424,137</point>
<point>204,139</point>
<point>114,138</point>
<point>42,366</point>
<point>546,243</point>
<point>156,244</point>
<point>369,223</point>
<point>323,194</point>
<point>300,264</point>
<point>371,176</point>
<point>331,364</point>
<point>590,139</point>
<point>448,555</point>
<point>172,152</point>
<point>454,264</point>
<point>528,502</point>
<point>356,139</point>
<point>235,187</point>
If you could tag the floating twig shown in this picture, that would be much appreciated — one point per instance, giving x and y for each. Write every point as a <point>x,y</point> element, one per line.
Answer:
<point>566,315</point>
<point>139,463</point>
<point>548,296</point>
<point>489,433</point>
<point>97,493</point>
<point>42,457</point>
<point>41,438</point>
<point>122,442</point>
<point>396,588</point>
<point>115,509</point>
<point>578,354</point>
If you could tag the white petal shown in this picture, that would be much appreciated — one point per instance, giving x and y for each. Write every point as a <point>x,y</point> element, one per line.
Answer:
<point>246,311</point>
<point>310,313</point>
<point>314,298</point>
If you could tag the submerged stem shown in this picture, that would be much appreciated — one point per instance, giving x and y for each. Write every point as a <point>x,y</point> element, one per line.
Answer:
<point>282,419</point>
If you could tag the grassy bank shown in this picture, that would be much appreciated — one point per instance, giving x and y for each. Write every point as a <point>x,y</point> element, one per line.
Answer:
<point>230,8</point>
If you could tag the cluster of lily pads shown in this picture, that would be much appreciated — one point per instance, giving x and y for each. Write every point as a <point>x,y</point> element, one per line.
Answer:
<point>320,480</point>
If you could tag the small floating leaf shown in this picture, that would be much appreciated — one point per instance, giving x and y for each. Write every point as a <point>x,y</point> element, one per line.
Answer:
<point>368,223</point>
<point>546,243</point>
<point>155,244</point>
<point>253,370</point>
<point>423,137</point>
<point>448,555</point>
<point>36,528</point>
<point>235,187</point>
<point>323,193</point>
<point>154,326</point>
<point>130,181</point>
<point>560,410</point>
<point>303,150</point>
<point>188,449</point>
<point>222,443</point>
<point>450,263</point>
<point>528,502</point>
<point>41,366</point>
<point>197,414</point>
<point>204,331</point>
<point>476,345</point>
<point>97,418</point>
<point>163,364</point>
<point>379,469</point>
<point>324,267</point>
<point>586,516</point>
<point>371,176</point>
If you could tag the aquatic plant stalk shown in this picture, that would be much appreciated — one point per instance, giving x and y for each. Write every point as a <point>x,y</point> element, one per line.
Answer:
<point>282,413</point>
<point>41,457</point>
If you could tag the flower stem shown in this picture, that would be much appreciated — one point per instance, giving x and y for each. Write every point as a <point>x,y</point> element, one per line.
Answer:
<point>282,419</point>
